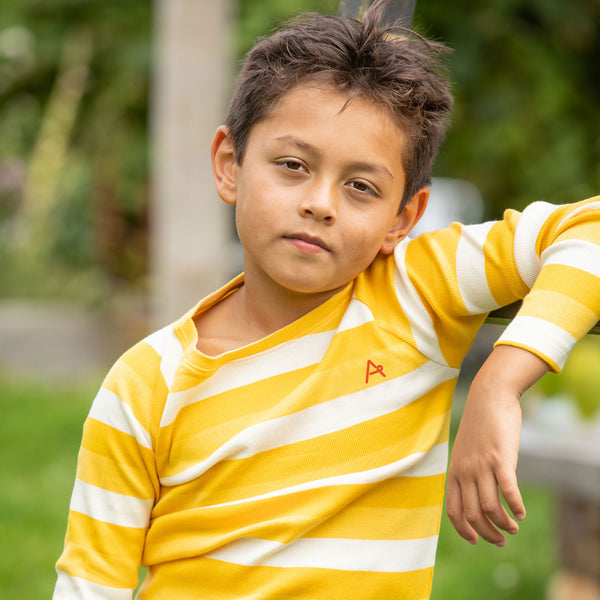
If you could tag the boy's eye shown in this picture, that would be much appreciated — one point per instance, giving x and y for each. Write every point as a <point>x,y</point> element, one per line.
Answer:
<point>292,165</point>
<point>361,186</point>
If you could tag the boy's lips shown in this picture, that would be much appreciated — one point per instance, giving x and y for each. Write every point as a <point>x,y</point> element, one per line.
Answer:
<point>307,242</point>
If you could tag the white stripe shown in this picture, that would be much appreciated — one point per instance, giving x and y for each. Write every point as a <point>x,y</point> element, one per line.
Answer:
<point>356,314</point>
<point>584,208</point>
<point>574,253</point>
<point>550,340</point>
<point>526,233</point>
<point>383,556</point>
<point>325,418</point>
<point>110,507</point>
<point>470,269</point>
<point>110,410</point>
<point>72,588</point>
<point>433,462</point>
<point>168,347</point>
<point>420,464</point>
<point>419,319</point>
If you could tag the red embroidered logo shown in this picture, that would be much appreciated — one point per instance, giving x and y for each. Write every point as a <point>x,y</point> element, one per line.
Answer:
<point>373,369</point>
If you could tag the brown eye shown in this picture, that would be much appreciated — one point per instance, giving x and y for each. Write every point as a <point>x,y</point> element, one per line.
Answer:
<point>362,187</point>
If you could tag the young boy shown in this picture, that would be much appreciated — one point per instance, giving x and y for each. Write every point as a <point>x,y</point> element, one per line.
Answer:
<point>287,438</point>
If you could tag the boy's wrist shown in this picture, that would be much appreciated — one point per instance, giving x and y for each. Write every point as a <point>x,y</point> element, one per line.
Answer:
<point>510,370</point>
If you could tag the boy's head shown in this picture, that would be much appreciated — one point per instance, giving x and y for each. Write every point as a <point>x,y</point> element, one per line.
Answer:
<point>401,73</point>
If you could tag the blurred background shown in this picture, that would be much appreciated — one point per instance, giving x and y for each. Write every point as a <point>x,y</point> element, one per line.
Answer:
<point>109,228</point>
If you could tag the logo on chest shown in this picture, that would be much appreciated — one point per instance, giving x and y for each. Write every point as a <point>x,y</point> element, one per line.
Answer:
<point>373,370</point>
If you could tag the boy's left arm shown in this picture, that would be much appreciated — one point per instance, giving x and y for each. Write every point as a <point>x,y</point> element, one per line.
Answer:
<point>558,250</point>
<point>485,452</point>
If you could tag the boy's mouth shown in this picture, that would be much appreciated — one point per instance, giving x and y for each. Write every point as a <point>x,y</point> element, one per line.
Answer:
<point>307,243</point>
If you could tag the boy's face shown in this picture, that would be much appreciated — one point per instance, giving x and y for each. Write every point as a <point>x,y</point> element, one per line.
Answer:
<point>318,190</point>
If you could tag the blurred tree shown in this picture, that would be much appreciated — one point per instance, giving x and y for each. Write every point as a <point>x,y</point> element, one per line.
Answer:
<point>526,125</point>
<point>95,231</point>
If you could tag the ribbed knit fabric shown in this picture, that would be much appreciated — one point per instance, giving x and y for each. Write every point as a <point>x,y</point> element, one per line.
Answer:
<point>311,464</point>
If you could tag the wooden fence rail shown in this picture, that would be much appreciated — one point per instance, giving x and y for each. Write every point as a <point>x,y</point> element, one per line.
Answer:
<point>504,314</point>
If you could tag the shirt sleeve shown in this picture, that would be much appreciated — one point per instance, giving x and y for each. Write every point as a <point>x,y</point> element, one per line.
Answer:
<point>547,255</point>
<point>116,483</point>
<point>562,270</point>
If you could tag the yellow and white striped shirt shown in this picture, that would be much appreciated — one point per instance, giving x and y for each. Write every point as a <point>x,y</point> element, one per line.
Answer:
<point>311,464</point>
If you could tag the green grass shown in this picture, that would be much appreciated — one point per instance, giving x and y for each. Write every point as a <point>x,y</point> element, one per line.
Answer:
<point>40,431</point>
<point>519,571</point>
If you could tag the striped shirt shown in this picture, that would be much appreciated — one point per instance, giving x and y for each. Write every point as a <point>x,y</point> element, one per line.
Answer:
<point>311,463</point>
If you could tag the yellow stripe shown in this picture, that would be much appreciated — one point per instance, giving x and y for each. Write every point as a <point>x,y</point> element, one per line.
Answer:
<point>569,228</point>
<point>176,533</point>
<point>382,524</point>
<point>565,280</point>
<point>501,270</point>
<point>145,390</point>
<point>224,415</point>
<point>554,307</point>
<point>589,231</point>
<point>406,492</point>
<point>102,553</point>
<point>377,442</point>
<point>432,267</point>
<point>113,461</point>
<point>205,578</point>
<point>402,507</point>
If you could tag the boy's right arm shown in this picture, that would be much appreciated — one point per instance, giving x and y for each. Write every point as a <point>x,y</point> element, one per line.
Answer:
<point>116,484</point>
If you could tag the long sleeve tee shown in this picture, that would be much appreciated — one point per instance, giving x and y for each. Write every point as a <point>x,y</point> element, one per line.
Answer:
<point>311,463</point>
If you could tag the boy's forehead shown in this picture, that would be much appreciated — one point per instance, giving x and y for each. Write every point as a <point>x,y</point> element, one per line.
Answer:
<point>310,89</point>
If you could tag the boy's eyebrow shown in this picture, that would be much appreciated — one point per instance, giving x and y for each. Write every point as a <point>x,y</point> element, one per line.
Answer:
<point>301,144</point>
<point>316,153</point>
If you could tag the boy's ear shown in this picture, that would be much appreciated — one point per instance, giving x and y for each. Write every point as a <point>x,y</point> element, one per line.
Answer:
<point>406,220</point>
<point>224,166</point>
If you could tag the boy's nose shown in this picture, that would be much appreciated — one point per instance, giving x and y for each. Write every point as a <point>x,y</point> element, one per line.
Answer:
<point>320,204</point>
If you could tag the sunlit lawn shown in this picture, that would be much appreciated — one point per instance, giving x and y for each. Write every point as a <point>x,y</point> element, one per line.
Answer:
<point>40,429</point>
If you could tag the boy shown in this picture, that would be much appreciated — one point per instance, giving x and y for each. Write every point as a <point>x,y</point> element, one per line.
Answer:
<point>287,438</point>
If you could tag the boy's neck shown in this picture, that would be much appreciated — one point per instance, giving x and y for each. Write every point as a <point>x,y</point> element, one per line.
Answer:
<point>274,308</point>
<point>250,314</point>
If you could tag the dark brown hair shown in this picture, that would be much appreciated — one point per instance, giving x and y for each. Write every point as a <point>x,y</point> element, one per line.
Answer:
<point>388,65</point>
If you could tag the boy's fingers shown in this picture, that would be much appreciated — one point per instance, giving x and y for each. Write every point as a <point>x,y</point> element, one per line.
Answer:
<point>509,488</point>
<point>477,518</point>
<point>455,511</point>
<point>492,508</point>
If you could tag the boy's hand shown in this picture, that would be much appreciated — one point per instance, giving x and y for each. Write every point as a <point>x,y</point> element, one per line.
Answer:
<point>484,458</point>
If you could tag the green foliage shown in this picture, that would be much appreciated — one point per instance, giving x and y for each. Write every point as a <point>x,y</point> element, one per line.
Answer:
<point>580,378</point>
<point>260,18</point>
<point>526,125</point>
<point>96,229</point>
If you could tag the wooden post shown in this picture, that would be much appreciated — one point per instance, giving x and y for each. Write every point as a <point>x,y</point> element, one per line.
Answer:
<point>191,229</point>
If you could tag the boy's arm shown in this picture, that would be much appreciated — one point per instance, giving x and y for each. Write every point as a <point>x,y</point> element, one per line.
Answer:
<point>115,486</point>
<point>557,252</point>
<point>484,457</point>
